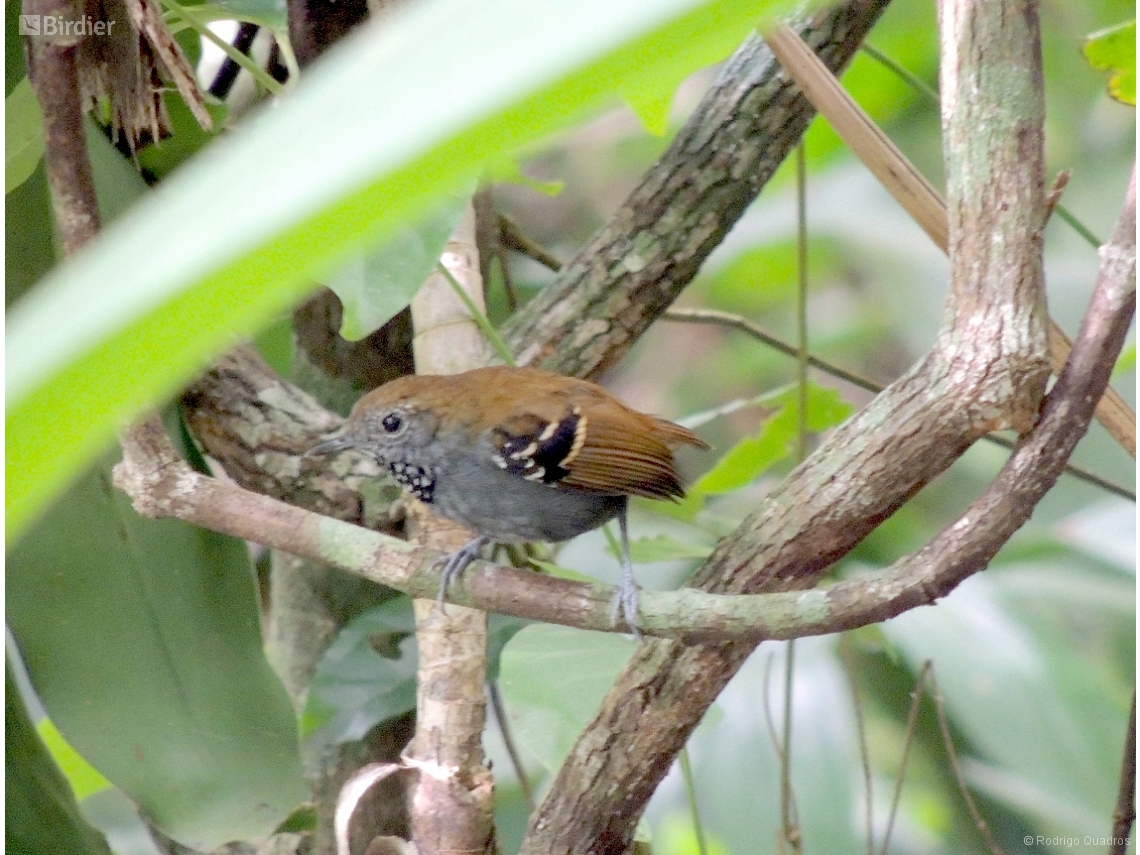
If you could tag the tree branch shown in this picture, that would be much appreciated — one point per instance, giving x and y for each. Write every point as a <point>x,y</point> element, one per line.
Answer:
<point>1125,813</point>
<point>624,277</point>
<point>54,74</point>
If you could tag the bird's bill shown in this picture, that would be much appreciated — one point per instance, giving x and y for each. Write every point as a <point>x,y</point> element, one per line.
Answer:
<point>331,446</point>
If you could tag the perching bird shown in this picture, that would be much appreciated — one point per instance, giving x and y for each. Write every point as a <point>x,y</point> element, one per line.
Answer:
<point>518,454</point>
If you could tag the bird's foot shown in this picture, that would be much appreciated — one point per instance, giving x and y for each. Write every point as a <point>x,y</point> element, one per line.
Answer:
<point>454,565</point>
<point>624,606</point>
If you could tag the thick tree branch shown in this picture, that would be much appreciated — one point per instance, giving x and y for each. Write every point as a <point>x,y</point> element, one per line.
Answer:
<point>621,280</point>
<point>54,74</point>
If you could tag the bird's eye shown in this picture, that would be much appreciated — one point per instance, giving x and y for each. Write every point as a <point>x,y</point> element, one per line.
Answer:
<point>392,423</point>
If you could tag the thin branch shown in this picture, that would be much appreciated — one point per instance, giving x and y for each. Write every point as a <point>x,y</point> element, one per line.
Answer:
<point>505,731</point>
<point>789,820</point>
<point>860,728</point>
<point>691,796</point>
<point>1125,812</point>
<point>513,237</point>
<point>956,768</point>
<point>911,729</point>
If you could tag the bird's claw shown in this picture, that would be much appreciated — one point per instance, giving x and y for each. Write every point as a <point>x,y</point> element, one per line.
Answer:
<point>454,565</point>
<point>624,607</point>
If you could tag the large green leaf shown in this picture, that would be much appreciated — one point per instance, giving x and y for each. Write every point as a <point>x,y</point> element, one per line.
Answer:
<point>367,675</point>
<point>373,134</point>
<point>142,638</point>
<point>40,813</point>
<point>548,714</point>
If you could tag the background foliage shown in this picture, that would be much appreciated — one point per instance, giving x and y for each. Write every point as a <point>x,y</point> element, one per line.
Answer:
<point>1034,660</point>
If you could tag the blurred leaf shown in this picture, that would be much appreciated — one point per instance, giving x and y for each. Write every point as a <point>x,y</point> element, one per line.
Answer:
<point>648,550</point>
<point>1040,691</point>
<point>85,779</point>
<point>367,675</point>
<point>373,286</point>
<point>275,344</point>
<point>118,185</point>
<point>684,509</point>
<point>1126,361</point>
<point>500,630</point>
<point>28,225</point>
<point>1114,50</point>
<point>142,638</point>
<point>752,456</point>
<point>40,813</point>
<point>678,837</point>
<point>505,169</point>
<point>548,714</point>
<point>265,13</point>
<point>560,572</point>
<point>286,204</point>
<point>650,95</point>
<point>764,276</point>
<point>23,135</point>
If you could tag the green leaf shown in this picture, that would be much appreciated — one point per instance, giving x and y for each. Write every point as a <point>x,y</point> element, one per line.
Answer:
<point>685,509</point>
<point>84,778</point>
<point>234,238</point>
<point>648,550</point>
<point>142,638</point>
<point>373,286</point>
<point>40,813</point>
<point>549,714</point>
<point>1114,50</point>
<point>752,456</point>
<point>367,675</point>
<point>23,135</point>
<point>650,95</point>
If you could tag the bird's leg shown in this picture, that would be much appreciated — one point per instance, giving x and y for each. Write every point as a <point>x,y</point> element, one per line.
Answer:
<point>625,601</point>
<point>455,563</point>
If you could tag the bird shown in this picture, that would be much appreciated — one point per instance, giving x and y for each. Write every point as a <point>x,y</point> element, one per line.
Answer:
<point>518,455</point>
